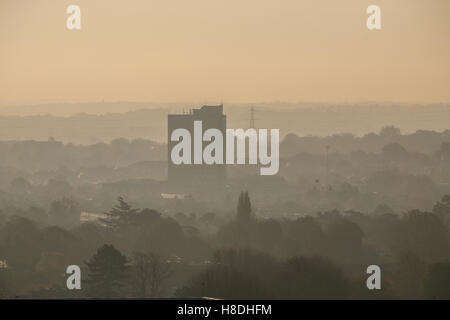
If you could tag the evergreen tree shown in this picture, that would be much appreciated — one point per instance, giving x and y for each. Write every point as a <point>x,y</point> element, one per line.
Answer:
<point>244,208</point>
<point>107,271</point>
<point>119,215</point>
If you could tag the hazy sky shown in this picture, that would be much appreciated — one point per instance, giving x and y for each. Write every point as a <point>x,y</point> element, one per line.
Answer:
<point>224,50</point>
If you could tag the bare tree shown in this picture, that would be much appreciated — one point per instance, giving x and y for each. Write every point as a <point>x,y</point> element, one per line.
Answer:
<point>149,272</point>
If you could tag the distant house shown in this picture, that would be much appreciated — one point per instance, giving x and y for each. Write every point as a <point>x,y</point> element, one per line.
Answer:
<point>91,217</point>
<point>3,264</point>
<point>174,196</point>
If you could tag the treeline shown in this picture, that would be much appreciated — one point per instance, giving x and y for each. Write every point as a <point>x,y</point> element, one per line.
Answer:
<point>89,123</point>
<point>29,156</point>
<point>129,252</point>
<point>422,141</point>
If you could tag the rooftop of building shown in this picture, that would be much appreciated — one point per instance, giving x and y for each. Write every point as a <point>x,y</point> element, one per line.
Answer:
<point>209,109</point>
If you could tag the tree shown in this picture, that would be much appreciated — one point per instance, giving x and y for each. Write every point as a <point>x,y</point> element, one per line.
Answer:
<point>107,271</point>
<point>344,239</point>
<point>240,232</point>
<point>148,231</point>
<point>390,132</point>
<point>149,273</point>
<point>93,234</point>
<point>64,213</point>
<point>3,218</point>
<point>59,240</point>
<point>383,209</point>
<point>38,214</point>
<point>268,235</point>
<point>50,265</point>
<point>225,282</point>
<point>444,152</point>
<point>394,152</point>
<point>5,281</point>
<point>424,235</point>
<point>244,208</point>
<point>59,188</point>
<point>437,281</point>
<point>311,278</point>
<point>305,235</point>
<point>119,215</point>
<point>442,208</point>
<point>20,186</point>
<point>18,245</point>
<point>234,274</point>
<point>408,276</point>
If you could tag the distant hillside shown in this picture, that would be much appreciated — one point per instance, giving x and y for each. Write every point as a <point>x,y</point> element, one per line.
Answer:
<point>103,122</point>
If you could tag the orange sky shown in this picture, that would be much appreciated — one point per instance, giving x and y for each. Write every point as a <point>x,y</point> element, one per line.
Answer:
<point>224,50</point>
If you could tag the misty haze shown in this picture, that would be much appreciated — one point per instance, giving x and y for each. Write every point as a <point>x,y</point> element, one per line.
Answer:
<point>92,204</point>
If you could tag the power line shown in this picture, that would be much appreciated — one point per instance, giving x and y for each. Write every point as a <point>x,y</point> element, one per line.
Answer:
<point>252,117</point>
